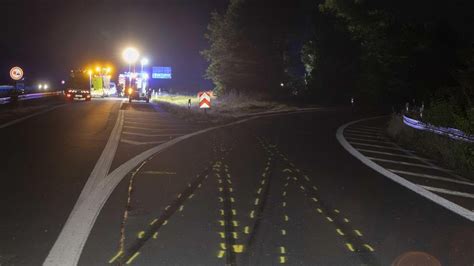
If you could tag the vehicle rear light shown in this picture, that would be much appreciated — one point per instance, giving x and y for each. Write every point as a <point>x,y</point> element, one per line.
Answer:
<point>68,95</point>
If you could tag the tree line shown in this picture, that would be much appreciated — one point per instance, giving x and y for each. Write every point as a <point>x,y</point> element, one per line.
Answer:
<point>328,51</point>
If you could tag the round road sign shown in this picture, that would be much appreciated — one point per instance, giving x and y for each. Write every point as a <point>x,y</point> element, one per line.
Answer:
<point>16,73</point>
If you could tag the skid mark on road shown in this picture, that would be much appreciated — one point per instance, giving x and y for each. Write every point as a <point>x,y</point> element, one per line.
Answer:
<point>351,237</point>
<point>128,254</point>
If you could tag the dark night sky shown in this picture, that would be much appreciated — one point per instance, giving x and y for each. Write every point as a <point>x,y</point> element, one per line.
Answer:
<point>50,37</point>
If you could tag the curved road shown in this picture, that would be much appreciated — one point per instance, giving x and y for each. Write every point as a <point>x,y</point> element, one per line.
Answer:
<point>272,190</point>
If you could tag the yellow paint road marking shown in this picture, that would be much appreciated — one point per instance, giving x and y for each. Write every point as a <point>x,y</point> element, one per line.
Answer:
<point>252,214</point>
<point>165,222</point>
<point>116,256</point>
<point>369,248</point>
<point>155,235</point>
<point>141,234</point>
<point>286,218</point>
<point>246,230</point>
<point>256,201</point>
<point>282,259</point>
<point>133,257</point>
<point>315,199</point>
<point>259,190</point>
<point>358,232</point>
<point>283,232</point>
<point>238,248</point>
<point>350,247</point>
<point>235,223</point>
<point>283,204</point>
<point>339,231</point>
<point>282,250</point>
<point>329,218</point>
<point>319,210</point>
<point>346,220</point>
<point>223,246</point>
<point>221,254</point>
<point>191,196</point>
<point>181,208</point>
<point>153,222</point>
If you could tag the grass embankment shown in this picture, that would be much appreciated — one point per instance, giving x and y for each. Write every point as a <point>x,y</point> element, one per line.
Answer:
<point>222,109</point>
<point>457,155</point>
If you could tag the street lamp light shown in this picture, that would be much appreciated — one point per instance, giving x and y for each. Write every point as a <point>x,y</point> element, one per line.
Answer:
<point>144,62</point>
<point>130,55</point>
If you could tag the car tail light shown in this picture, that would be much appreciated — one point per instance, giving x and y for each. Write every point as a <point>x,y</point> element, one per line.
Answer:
<point>68,95</point>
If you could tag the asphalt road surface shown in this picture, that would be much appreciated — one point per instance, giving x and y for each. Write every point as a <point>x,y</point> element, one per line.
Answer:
<point>278,189</point>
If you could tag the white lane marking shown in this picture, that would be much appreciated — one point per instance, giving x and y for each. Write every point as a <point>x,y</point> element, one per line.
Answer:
<point>133,142</point>
<point>158,129</point>
<point>390,154</point>
<point>70,242</point>
<point>68,247</point>
<point>150,135</point>
<point>172,126</point>
<point>361,130</point>
<point>375,146</point>
<point>364,135</point>
<point>406,163</point>
<point>370,140</point>
<point>400,180</point>
<point>434,177</point>
<point>369,128</point>
<point>449,192</point>
<point>16,121</point>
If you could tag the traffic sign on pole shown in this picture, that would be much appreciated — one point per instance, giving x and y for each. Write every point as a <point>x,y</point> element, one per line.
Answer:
<point>204,100</point>
<point>16,73</point>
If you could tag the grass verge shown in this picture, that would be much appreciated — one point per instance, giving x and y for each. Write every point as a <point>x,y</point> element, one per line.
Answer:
<point>457,155</point>
<point>223,109</point>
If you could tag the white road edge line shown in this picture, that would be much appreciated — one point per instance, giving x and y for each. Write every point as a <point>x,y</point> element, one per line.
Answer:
<point>150,135</point>
<point>390,154</point>
<point>406,163</point>
<point>434,177</point>
<point>70,240</point>
<point>68,247</point>
<point>400,180</point>
<point>133,142</point>
<point>375,146</point>
<point>16,121</point>
<point>449,192</point>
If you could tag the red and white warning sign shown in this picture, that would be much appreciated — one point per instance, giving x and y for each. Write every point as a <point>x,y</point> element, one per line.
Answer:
<point>204,99</point>
<point>16,73</point>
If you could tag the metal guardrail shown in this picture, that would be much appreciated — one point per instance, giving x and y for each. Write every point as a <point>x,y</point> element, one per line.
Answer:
<point>452,133</point>
<point>30,96</point>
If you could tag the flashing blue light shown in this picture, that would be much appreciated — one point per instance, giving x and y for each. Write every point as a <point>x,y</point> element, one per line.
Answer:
<point>161,73</point>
